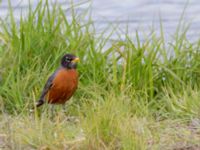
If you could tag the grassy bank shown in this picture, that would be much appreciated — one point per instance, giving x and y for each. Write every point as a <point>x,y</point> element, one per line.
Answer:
<point>131,95</point>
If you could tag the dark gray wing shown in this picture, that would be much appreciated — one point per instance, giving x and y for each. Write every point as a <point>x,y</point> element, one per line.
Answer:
<point>46,88</point>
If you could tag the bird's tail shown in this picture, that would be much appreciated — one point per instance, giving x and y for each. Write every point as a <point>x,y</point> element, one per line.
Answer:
<point>39,103</point>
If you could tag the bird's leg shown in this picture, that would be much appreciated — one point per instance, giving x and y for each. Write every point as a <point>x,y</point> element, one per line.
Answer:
<point>64,109</point>
<point>52,112</point>
<point>68,118</point>
<point>60,114</point>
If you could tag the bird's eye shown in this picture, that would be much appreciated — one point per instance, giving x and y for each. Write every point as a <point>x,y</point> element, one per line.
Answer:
<point>67,59</point>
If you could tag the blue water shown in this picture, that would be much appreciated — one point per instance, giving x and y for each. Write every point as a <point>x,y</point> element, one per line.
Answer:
<point>139,15</point>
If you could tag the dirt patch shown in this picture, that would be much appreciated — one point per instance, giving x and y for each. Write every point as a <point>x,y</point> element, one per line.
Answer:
<point>186,147</point>
<point>3,141</point>
<point>176,135</point>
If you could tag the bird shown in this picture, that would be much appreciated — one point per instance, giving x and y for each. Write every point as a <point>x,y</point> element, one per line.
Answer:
<point>62,84</point>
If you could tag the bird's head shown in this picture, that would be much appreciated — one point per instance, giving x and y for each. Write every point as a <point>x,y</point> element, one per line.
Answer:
<point>69,61</point>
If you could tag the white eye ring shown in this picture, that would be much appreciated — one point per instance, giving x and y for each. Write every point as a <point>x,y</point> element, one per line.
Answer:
<point>67,59</point>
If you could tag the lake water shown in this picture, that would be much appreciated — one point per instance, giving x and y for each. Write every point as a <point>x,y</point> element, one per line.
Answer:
<point>139,15</point>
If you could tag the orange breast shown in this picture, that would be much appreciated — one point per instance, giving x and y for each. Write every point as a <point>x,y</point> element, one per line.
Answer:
<point>64,86</point>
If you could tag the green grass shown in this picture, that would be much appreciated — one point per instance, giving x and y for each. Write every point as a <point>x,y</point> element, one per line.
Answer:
<point>131,95</point>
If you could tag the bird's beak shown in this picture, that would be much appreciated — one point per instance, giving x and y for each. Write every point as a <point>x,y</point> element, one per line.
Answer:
<point>76,60</point>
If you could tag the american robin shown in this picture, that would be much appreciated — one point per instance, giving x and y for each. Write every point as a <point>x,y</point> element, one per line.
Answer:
<point>62,84</point>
